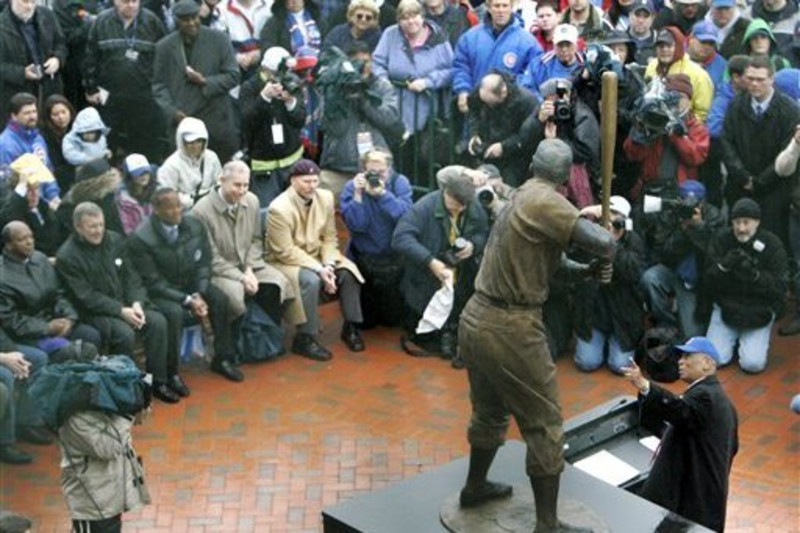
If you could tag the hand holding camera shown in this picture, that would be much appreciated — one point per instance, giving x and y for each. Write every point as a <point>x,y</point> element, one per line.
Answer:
<point>733,260</point>
<point>460,250</point>
<point>476,146</point>
<point>374,181</point>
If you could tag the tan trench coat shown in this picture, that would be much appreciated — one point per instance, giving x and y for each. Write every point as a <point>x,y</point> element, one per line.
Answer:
<point>303,236</point>
<point>237,245</point>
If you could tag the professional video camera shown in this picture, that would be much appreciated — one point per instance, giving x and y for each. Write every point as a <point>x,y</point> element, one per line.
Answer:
<point>683,208</point>
<point>657,111</point>
<point>563,109</point>
<point>336,71</point>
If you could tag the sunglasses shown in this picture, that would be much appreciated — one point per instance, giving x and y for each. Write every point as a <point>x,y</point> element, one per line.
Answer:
<point>364,16</point>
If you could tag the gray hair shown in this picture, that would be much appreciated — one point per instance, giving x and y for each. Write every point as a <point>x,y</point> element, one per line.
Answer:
<point>86,209</point>
<point>235,167</point>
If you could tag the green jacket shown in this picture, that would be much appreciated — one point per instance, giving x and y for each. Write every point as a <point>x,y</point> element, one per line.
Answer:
<point>760,25</point>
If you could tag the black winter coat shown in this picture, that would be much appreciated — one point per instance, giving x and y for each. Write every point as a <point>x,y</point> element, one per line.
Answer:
<point>503,124</point>
<point>422,234</point>
<point>258,117</point>
<point>106,64</point>
<point>172,271</point>
<point>48,233</point>
<point>30,296</point>
<point>15,56</point>
<point>699,439</point>
<point>619,301</point>
<point>101,279</point>
<point>748,296</point>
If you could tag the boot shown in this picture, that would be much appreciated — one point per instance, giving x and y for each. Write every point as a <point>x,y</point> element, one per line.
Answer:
<point>478,489</point>
<point>545,494</point>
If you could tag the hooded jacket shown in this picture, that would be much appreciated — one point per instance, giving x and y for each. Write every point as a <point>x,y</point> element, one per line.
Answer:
<point>191,177</point>
<point>702,86</point>
<point>781,22</point>
<point>760,25</point>
<point>79,152</point>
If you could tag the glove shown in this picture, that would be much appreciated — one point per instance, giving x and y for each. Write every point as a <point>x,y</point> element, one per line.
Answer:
<point>600,270</point>
<point>732,260</point>
<point>747,270</point>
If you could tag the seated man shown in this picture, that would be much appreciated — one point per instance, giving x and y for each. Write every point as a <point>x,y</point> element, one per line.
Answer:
<point>21,418</point>
<point>230,215</point>
<point>301,242</point>
<point>747,284</point>
<point>33,308</point>
<point>372,203</point>
<point>678,239</point>
<point>111,297</point>
<point>173,256</point>
<point>440,240</point>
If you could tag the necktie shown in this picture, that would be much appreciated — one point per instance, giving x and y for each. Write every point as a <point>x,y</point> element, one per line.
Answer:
<point>759,111</point>
<point>233,211</point>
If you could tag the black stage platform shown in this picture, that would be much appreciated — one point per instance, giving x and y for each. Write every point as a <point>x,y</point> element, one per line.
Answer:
<point>413,505</point>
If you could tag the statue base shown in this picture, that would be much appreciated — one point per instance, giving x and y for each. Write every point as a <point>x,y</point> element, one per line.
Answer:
<point>516,514</point>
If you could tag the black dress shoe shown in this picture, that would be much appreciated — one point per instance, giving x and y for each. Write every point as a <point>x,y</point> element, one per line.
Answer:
<point>447,343</point>
<point>35,435</point>
<point>226,369</point>
<point>352,337</point>
<point>12,455</point>
<point>307,346</point>
<point>165,394</point>
<point>177,384</point>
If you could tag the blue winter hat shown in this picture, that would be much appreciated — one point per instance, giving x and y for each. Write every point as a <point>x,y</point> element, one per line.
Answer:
<point>705,31</point>
<point>700,345</point>
<point>692,188</point>
<point>723,3</point>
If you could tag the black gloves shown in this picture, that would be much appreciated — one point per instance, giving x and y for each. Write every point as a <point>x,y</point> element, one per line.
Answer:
<point>740,264</point>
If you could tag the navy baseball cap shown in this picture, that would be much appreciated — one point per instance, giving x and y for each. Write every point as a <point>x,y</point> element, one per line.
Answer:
<point>700,345</point>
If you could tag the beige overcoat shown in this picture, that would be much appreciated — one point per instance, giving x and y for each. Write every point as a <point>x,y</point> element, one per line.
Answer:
<point>301,235</point>
<point>235,245</point>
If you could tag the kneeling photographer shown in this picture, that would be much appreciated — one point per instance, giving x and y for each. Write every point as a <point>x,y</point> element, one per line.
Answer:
<point>273,115</point>
<point>360,112</point>
<point>666,138</point>
<point>678,233</point>
<point>372,203</point>
<point>564,116</point>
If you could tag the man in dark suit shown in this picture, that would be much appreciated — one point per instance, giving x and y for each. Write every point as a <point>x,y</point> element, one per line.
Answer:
<point>194,68</point>
<point>173,255</point>
<point>699,437</point>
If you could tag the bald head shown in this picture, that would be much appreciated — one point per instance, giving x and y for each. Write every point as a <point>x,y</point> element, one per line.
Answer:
<point>18,239</point>
<point>493,89</point>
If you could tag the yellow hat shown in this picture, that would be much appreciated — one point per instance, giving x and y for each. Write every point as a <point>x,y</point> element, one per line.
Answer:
<point>32,169</point>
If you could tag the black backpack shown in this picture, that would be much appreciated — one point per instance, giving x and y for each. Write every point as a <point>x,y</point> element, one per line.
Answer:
<point>259,337</point>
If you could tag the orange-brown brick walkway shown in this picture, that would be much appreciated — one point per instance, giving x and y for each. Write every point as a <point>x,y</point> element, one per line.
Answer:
<point>269,454</point>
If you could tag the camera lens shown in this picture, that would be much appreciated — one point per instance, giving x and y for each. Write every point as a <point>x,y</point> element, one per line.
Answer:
<point>618,223</point>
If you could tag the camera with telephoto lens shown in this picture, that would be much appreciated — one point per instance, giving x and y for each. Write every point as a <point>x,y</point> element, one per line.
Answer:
<point>658,112</point>
<point>682,208</point>
<point>291,82</point>
<point>373,178</point>
<point>563,109</point>
<point>448,257</point>
<point>486,196</point>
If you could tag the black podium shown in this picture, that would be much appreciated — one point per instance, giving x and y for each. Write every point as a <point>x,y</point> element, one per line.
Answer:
<point>413,505</point>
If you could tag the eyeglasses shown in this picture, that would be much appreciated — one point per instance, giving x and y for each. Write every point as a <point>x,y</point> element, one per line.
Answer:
<point>364,16</point>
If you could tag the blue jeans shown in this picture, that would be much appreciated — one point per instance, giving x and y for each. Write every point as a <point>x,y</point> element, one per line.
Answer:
<point>753,343</point>
<point>23,411</point>
<point>589,355</point>
<point>660,284</point>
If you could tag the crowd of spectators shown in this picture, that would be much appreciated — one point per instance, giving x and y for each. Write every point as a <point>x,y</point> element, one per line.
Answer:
<point>198,161</point>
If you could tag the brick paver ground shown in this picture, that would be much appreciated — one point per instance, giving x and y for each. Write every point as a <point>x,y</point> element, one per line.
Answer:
<point>268,454</point>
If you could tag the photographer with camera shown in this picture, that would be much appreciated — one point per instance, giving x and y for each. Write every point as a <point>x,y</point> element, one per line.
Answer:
<point>441,240</point>
<point>273,115</point>
<point>360,112</point>
<point>747,285</point>
<point>372,203</point>
<point>666,138</point>
<point>678,238</point>
<point>497,110</point>
<point>608,309</point>
<point>562,116</point>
